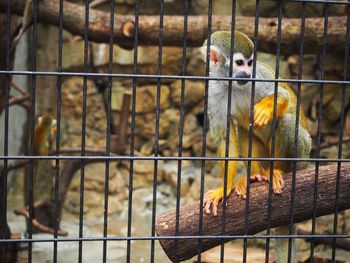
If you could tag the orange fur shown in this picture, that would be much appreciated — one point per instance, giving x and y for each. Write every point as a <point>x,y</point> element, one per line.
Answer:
<point>43,132</point>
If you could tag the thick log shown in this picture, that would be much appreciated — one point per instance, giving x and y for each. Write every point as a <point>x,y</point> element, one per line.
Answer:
<point>73,21</point>
<point>236,209</point>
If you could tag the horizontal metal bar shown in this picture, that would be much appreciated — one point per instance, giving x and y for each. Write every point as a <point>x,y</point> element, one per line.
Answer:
<point>320,2</point>
<point>168,238</point>
<point>171,158</point>
<point>153,76</point>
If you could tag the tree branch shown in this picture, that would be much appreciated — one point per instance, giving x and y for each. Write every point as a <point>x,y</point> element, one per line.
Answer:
<point>19,88</point>
<point>340,243</point>
<point>99,29</point>
<point>236,208</point>
<point>23,101</point>
<point>45,229</point>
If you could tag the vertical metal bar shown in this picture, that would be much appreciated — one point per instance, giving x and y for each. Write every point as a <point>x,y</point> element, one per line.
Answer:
<point>132,128</point>
<point>156,137</point>
<point>251,127</point>
<point>32,126</point>
<point>58,133</point>
<point>181,125</point>
<point>319,127</point>
<point>228,124</point>
<point>83,136</point>
<point>3,173</point>
<point>296,129</point>
<point>273,138</point>
<point>341,132</point>
<point>204,136</point>
<point>108,130</point>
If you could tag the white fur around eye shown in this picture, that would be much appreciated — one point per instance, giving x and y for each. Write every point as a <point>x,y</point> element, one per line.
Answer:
<point>238,56</point>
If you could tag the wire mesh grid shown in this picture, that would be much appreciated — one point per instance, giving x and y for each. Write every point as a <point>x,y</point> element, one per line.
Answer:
<point>135,77</point>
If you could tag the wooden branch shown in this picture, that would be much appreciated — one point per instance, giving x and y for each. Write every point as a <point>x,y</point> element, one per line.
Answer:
<point>97,3</point>
<point>235,218</point>
<point>88,151</point>
<point>19,88</point>
<point>15,165</point>
<point>333,142</point>
<point>24,212</point>
<point>73,21</point>
<point>19,100</point>
<point>340,242</point>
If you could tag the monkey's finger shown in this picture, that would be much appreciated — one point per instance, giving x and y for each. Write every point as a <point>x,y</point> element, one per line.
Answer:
<point>243,196</point>
<point>258,126</point>
<point>261,121</point>
<point>215,209</point>
<point>282,183</point>
<point>206,200</point>
<point>240,193</point>
<point>276,184</point>
<point>207,207</point>
<point>258,110</point>
<point>237,192</point>
<point>255,177</point>
<point>277,191</point>
<point>258,118</point>
<point>266,120</point>
<point>215,206</point>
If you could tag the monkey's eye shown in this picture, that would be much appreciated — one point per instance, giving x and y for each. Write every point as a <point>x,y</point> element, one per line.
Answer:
<point>239,62</point>
<point>250,62</point>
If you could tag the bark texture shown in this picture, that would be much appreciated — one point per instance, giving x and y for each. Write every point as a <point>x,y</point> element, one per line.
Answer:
<point>236,209</point>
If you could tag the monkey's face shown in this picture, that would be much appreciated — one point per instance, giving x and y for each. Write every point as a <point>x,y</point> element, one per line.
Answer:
<point>220,64</point>
<point>242,68</point>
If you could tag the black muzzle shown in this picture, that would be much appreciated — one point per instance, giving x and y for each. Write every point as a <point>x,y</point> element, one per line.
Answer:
<point>242,74</point>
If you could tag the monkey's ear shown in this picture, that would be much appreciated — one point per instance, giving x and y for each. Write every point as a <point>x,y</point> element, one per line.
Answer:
<point>216,58</point>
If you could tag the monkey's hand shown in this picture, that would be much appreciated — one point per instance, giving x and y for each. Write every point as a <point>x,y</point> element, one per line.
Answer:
<point>261,116</point>
<point>212,198</point>
<point>263,110</point>
<point>277,181</point>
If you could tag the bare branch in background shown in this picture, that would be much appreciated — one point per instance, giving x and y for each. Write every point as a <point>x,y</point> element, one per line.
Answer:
<point>99,28</point>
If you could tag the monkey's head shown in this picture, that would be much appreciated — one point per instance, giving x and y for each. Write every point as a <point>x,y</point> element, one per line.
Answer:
<point>47,120</point>
<point>220,47</point>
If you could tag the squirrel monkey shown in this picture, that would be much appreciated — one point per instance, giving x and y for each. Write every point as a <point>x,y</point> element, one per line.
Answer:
<point>242,67</point>
<point>43,134</point>
<point>240,121</point>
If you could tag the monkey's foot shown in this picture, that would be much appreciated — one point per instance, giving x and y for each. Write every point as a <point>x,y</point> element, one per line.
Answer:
<point>241,187</point>
<point>261,116</point>
<point>277,182</point>
<point>256,178</point>
<point>212,198</point>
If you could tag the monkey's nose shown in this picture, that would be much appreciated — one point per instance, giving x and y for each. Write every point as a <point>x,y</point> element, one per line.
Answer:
<point>242,74</point>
